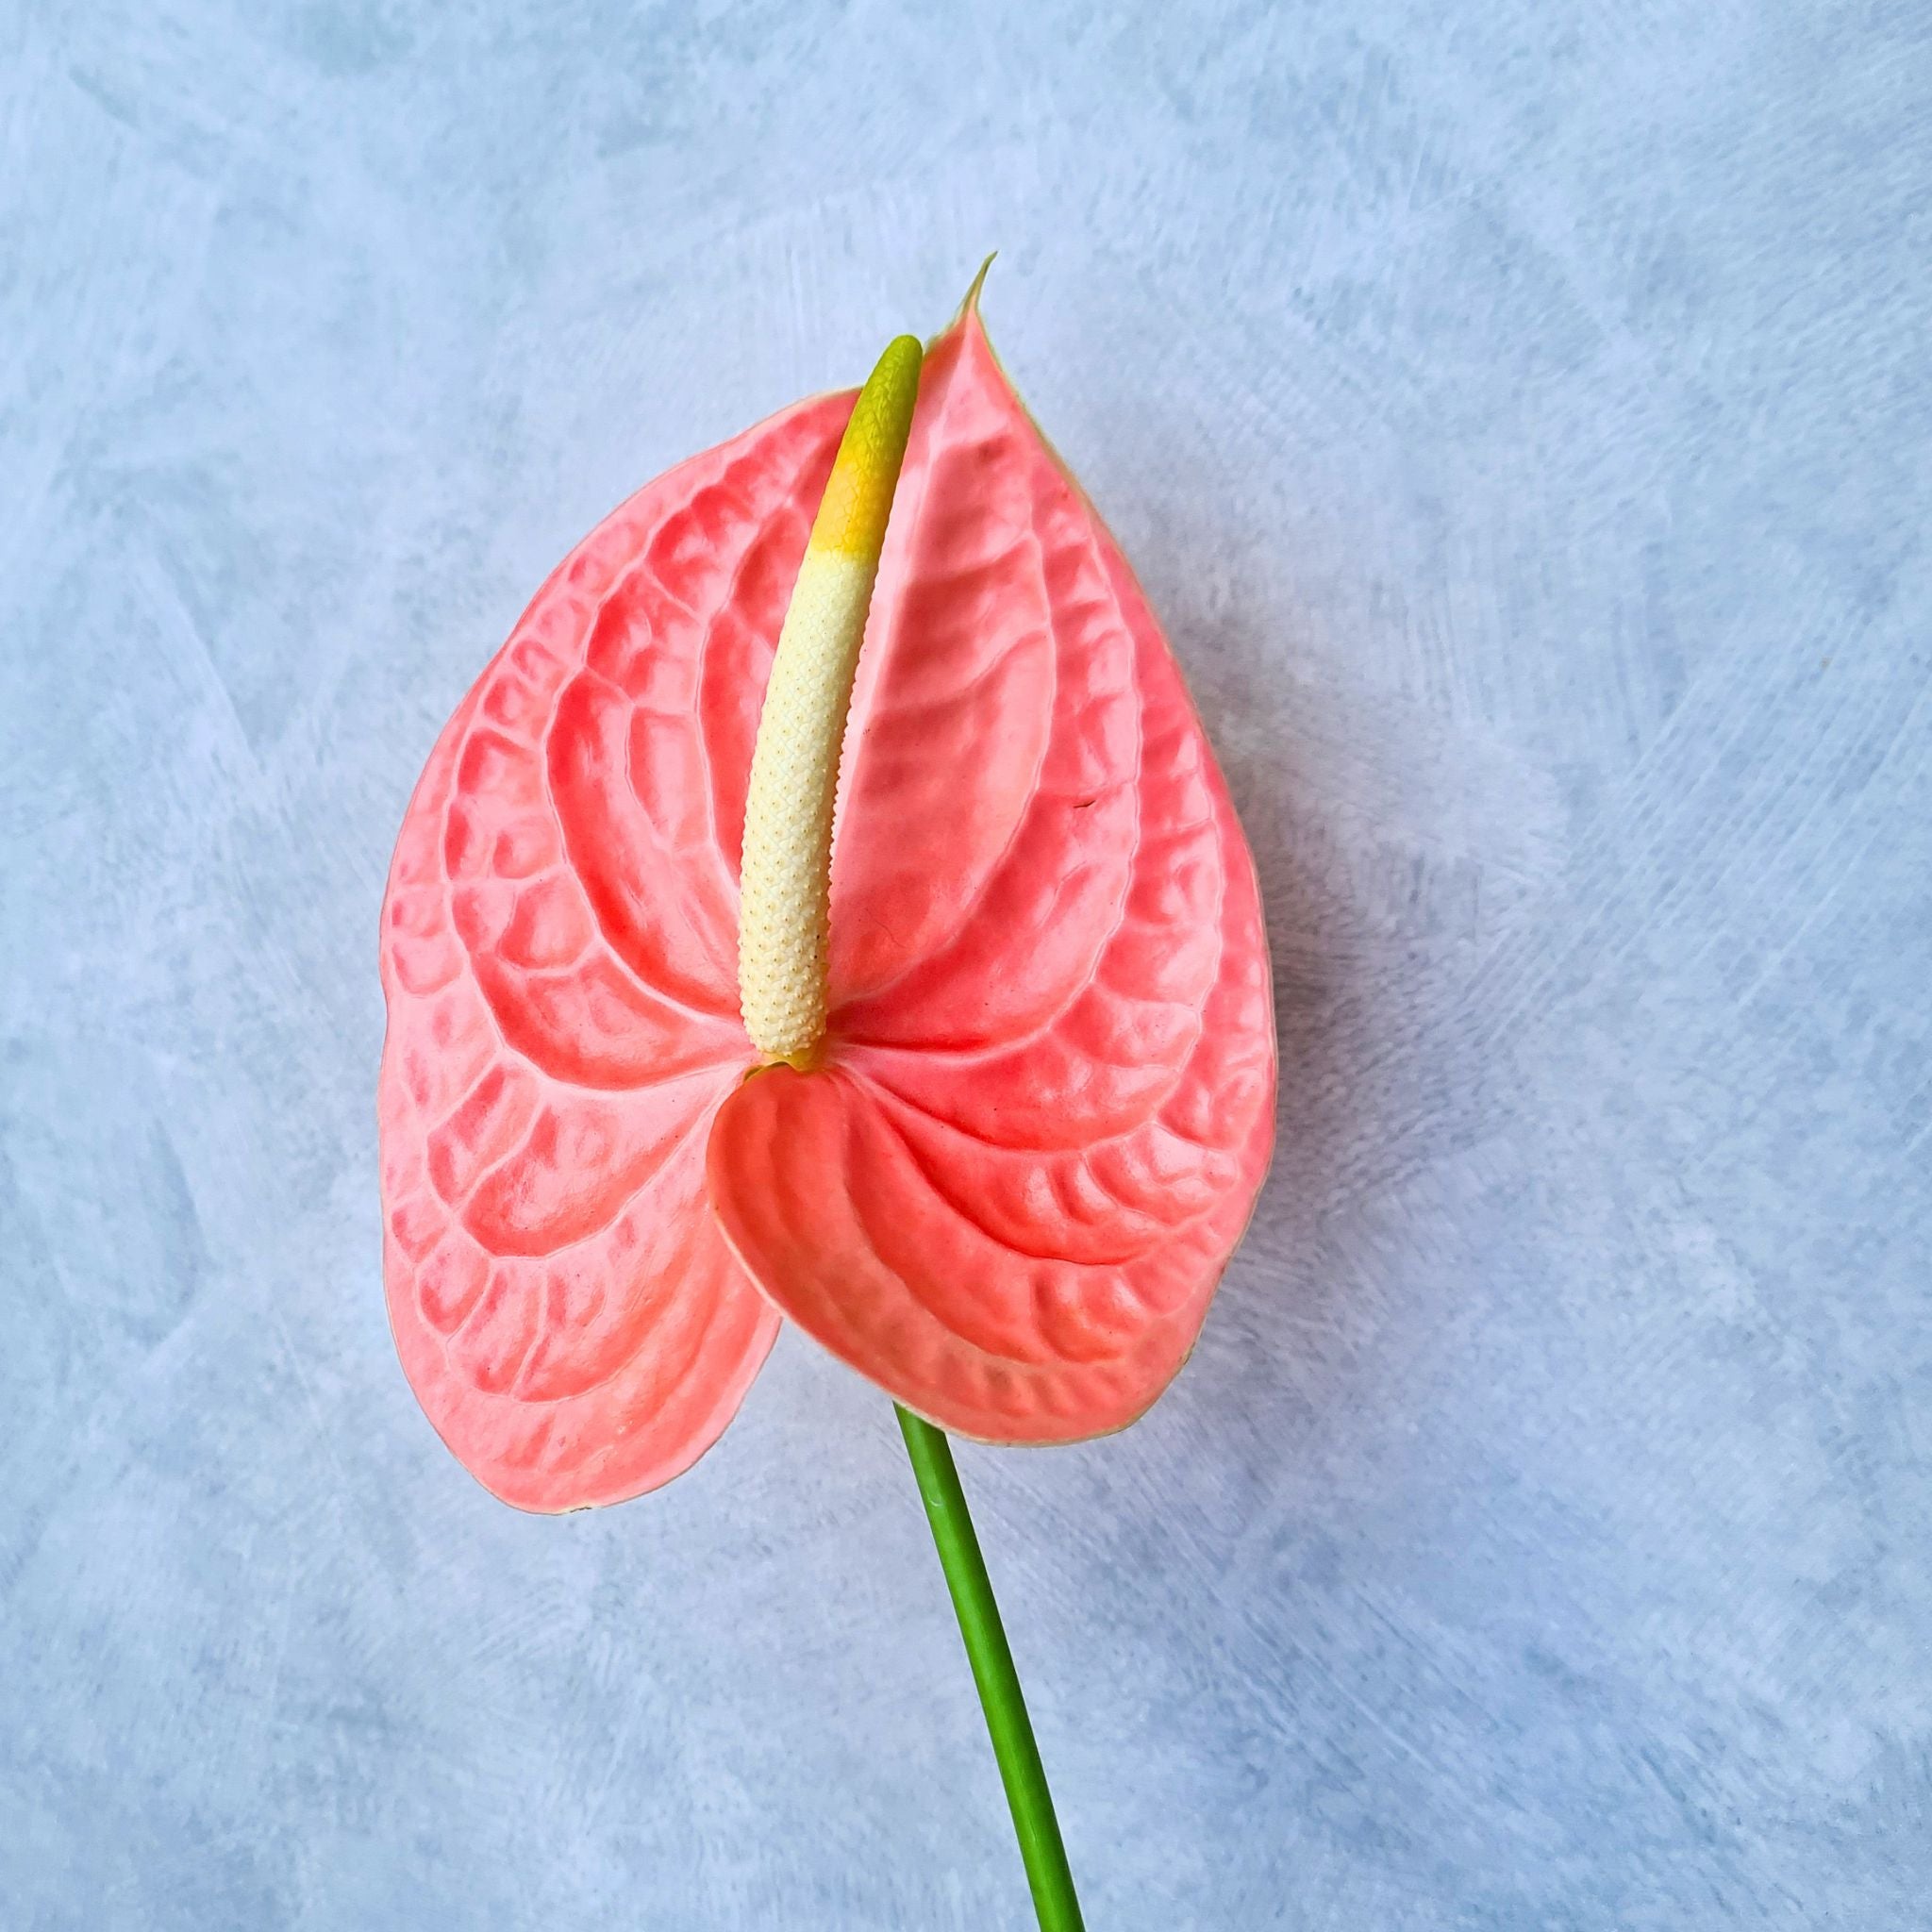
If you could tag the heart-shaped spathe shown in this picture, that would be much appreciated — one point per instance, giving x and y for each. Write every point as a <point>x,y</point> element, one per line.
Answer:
<point>1007,1188</point>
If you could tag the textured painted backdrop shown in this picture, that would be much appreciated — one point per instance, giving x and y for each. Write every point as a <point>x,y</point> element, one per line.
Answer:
<point>1521,416</point>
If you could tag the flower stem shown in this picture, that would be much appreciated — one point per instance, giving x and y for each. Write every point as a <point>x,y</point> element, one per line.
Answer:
<point>993,1670</point>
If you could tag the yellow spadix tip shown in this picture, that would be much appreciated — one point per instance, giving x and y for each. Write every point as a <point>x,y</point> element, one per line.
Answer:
<point>858,496</point>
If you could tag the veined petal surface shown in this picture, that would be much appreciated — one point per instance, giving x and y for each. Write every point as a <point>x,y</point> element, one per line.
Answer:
<point>1048,1099</point>
<point>560,958</point>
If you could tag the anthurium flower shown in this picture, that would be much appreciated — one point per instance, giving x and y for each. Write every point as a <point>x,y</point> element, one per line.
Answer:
<point>956,1048</point>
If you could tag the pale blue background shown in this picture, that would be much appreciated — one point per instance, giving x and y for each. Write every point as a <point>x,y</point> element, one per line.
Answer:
<point>1521,416</point>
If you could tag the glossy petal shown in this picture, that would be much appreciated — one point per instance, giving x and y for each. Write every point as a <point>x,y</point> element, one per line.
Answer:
<point>1049,1100</point>
<point>560,956</point>
<point>1046,1101</point>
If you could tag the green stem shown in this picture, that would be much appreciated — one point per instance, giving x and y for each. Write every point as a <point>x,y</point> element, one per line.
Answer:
<point>992,1671</point>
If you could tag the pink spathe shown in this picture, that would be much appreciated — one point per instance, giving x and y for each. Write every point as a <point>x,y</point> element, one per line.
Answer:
<point>1045,1102</point>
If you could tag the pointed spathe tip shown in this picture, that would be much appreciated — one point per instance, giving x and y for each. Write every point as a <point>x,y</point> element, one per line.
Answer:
<point>971,305</point>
